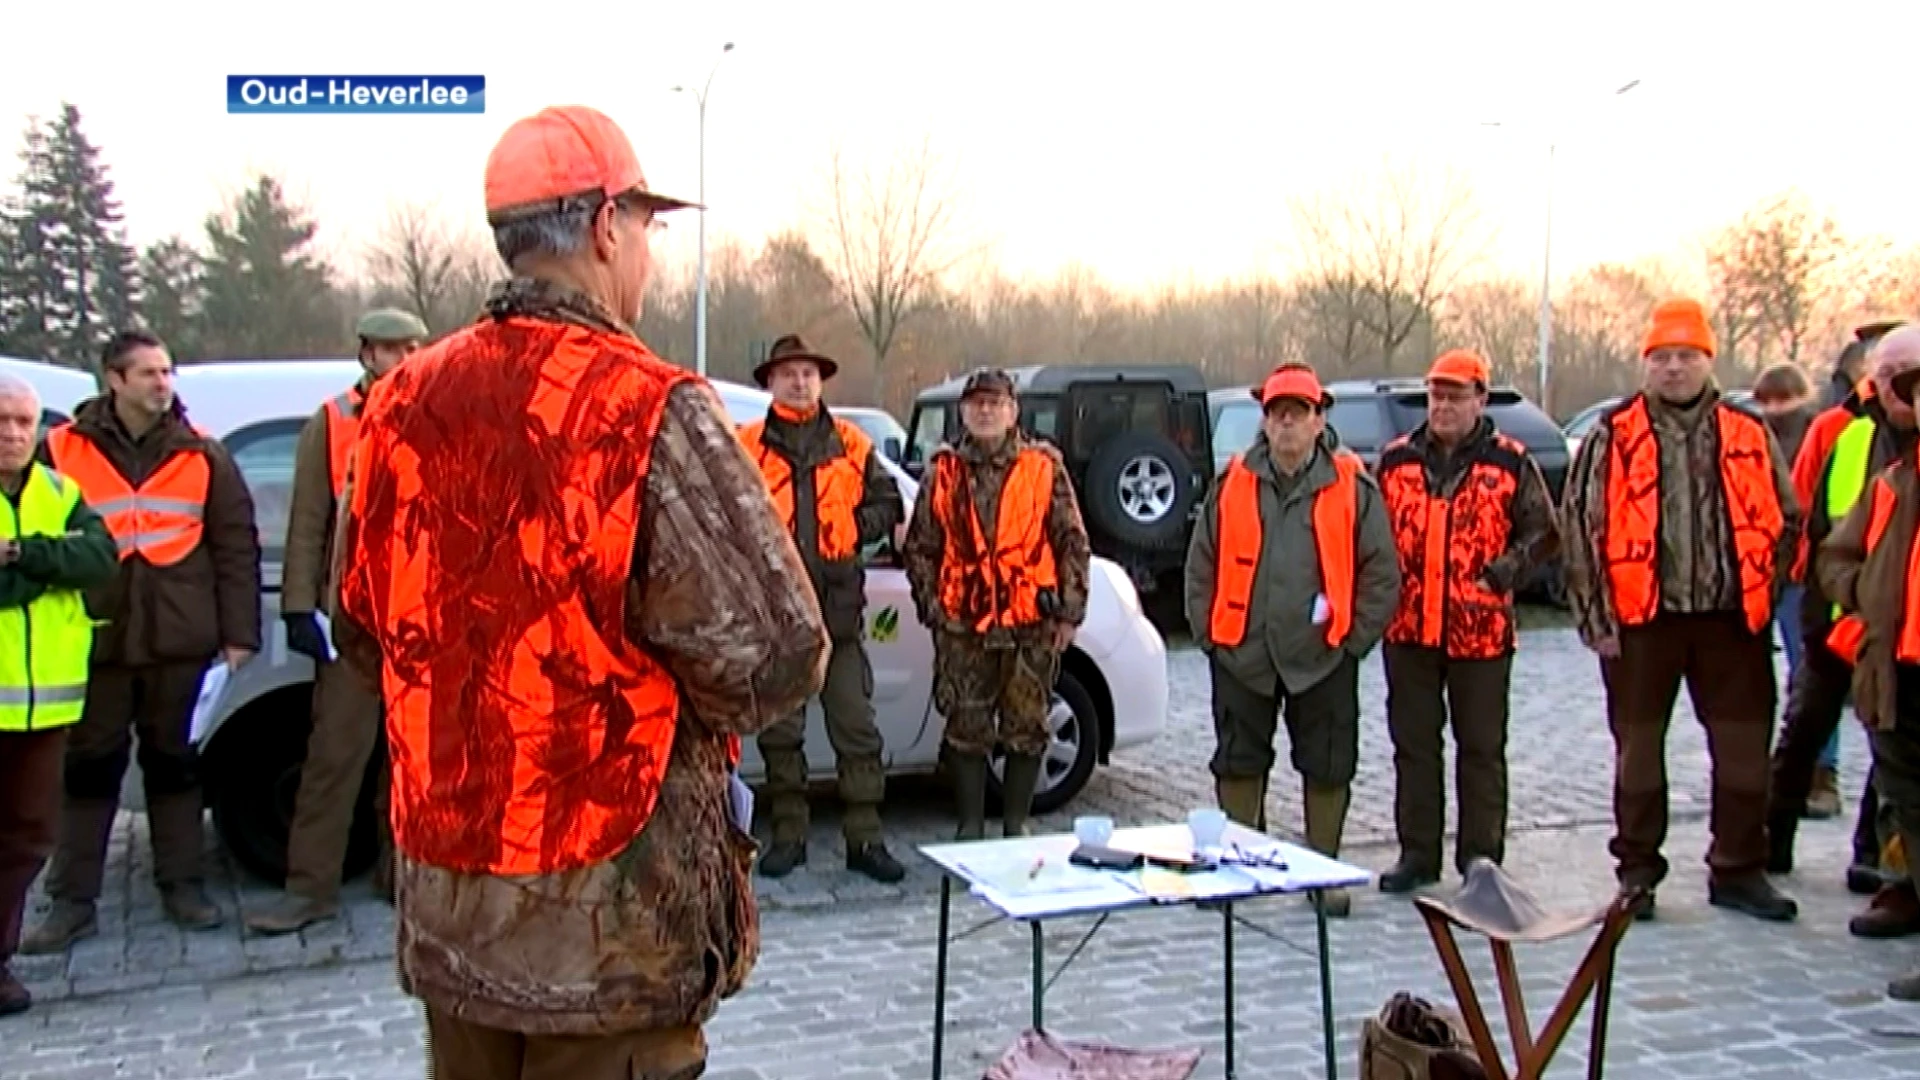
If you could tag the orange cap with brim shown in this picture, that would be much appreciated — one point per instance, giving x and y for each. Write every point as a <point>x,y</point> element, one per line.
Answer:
<point>1292,381</point>
<point>1463,366</point>
<point>562,153</point>
<point>1679,323</point>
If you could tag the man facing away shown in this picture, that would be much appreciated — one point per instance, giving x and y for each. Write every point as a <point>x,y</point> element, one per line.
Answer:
<point>1681,526</point>
<point>188,592</point>
<point>346,716</point>
<point>836,498</point>
<point>577,597</point>
<point>1471,516</point>
<point>57,547</point>
<point>997,558</point>
<point>1290,579</point>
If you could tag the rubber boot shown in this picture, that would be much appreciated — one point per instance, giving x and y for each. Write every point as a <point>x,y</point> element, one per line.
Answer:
<point>1242,797</point>
<point>1023,775</point>
<point>1782,829</point>
<point>1326,813</point>
<point>970,794</point>
<point>787,806</point>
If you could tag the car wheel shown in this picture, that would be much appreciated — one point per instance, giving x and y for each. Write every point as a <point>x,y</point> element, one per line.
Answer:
<point>259,755</point>
<point>1073,749</point>
<point>1140,491</point>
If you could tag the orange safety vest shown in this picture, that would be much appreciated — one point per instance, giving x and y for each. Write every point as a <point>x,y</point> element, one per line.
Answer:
<point>1445,544</point>
<point>162,520</point>
<point>995,586</point>
<point>1632,546</point>
<point>838,486</point>
<point>343,429</point>
<point>1240,532</point>
<point>1849,631</point>
<point>490,561</point>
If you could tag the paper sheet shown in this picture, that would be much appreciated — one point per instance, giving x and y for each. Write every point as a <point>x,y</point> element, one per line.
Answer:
<point>326,634</point>
<point>212,688</point>
<point>740,803</point>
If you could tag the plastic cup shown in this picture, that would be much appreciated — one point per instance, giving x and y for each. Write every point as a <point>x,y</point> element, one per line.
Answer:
<point>1208,825</point>
<point>1093,830</point>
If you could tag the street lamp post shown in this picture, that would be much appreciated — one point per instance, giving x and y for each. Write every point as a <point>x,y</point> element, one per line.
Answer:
<point>1546,274</point>
<point>700,288</point>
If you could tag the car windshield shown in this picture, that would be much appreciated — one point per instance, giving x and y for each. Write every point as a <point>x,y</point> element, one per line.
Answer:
<point>1360,423</point>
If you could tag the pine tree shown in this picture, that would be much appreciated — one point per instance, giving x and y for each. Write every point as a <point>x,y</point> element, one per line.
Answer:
<point>173,296</point>
<point>265,295</point>
<point>72,275</point>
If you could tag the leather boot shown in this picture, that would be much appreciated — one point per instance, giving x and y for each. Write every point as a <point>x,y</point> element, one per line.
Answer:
<point>969,794</point>
<point>1016,791</point>
<point>1894,913</point>
<point>291,914</point>
<point>1408,874</point>
<point>1754,896</point>
<point>1326,813</point>
<point>66,922</point>
<point>1241,797</point>
<point>14,998</point>
<point>1823,801</point>
<point>174,822</point>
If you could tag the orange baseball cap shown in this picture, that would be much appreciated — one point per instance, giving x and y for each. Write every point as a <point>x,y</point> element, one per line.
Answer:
<point>560,154</point>
<point>1463,366</point>
<point>1295,381</point>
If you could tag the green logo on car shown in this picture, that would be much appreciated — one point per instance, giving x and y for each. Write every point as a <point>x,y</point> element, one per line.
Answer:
<point>886,625</point>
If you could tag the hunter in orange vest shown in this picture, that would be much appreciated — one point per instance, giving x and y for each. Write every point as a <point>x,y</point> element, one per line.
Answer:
<point>1471,517</point>
<point>187,596</point>
<point>346,713</point>
<point>1290,580</point>
<point>569,582</point>
<point>998,557</point>
<point>1870,567</point>
<point>1680,524</point>
<point>836,497</point>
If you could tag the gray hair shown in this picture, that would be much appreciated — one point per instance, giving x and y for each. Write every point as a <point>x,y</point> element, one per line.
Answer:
<point>13,386</point>
<point>559,234</point>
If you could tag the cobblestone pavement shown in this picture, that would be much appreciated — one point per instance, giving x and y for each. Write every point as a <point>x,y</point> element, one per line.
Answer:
<point>846,992</point>
<point>1561,776</point>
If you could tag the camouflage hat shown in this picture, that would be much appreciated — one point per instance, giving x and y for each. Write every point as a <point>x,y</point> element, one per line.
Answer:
<point>390,324</point>
<point>988,381</point>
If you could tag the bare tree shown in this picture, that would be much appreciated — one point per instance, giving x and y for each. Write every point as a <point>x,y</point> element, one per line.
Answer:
<point>892,239</point>
<point>1390,252</point>
<point>1497,317</point>
<point>423,263</point>
<point>1774,272</point>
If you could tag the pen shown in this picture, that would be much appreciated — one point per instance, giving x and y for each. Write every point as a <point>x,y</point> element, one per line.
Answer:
<point>1037,864</point>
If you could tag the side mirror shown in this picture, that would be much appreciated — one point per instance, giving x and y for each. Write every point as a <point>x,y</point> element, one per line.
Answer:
<point>891,449</point>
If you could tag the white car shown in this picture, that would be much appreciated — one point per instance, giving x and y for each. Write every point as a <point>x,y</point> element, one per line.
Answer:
<point>1112,690</point>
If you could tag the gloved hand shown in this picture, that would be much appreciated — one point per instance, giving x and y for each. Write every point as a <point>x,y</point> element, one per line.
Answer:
<point>304,636</point>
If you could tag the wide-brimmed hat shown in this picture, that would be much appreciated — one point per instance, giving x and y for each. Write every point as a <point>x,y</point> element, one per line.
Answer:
<point>789,348</point>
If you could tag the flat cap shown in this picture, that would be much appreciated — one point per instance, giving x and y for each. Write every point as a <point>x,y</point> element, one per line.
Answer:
<point>391,324</point>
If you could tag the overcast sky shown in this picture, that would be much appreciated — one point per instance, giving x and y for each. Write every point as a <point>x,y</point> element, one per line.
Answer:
<point>1148,141</point>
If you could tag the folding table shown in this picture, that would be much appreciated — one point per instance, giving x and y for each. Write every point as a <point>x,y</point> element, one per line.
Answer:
<point>993,870</point>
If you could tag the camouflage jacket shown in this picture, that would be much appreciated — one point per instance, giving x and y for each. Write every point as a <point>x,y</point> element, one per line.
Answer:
<point>987,468</point>
<point>659,935</point>
<point>1697,571</point>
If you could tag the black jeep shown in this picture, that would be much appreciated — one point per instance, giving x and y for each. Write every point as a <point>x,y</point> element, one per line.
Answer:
<point>1138,443</point>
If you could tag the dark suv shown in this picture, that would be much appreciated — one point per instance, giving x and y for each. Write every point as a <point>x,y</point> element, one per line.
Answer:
<point>1369,413</point>
<point>1138,446</point>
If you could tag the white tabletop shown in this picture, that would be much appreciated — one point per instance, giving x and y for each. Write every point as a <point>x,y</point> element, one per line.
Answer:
<point>1031,878</point>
